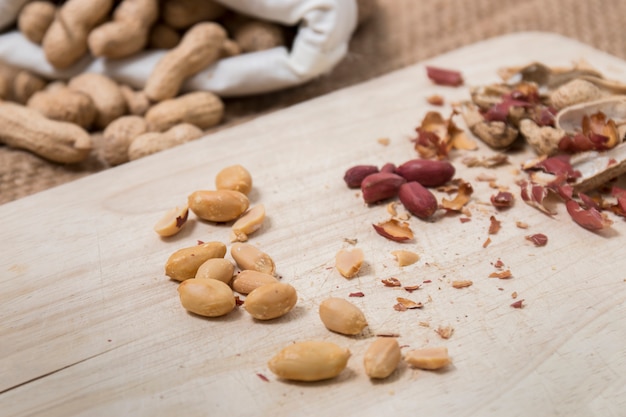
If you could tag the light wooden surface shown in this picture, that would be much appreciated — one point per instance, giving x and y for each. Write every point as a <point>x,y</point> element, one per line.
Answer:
<point>91,326</point>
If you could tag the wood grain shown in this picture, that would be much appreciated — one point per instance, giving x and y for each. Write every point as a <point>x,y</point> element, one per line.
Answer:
<point>91,326</point>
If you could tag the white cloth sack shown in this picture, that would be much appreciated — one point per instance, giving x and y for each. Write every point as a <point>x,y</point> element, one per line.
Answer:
<point>324,31</point>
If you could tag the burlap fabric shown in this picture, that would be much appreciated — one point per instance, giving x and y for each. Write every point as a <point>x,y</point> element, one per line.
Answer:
<point>397,34</point>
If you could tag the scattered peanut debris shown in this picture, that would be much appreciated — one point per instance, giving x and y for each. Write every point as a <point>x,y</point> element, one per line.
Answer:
<point>491,161</point>
<point>502,200</point>
<point>445,332</point>
<point>406,304</point>
<point>506,274</point>
<point>387,335</point>
<point>462,283</point>
<point>463,196</point>
<point>435,100</point>
<point>436,136</point>
<point>518,304</point>
<point>538,239</point>
<point>494,225</point>
<point>391,282</point>
<point>443,76</point>
<point>411,288</point>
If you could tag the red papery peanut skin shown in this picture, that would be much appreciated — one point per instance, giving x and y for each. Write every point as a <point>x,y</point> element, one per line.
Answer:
<point>443,76</point>
<point>590,219</point>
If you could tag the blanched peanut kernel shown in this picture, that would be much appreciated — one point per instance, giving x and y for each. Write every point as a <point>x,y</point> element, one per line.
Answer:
<point>348,262</point>
<point>184,263</point>
<point>218,205</point>
<point>206,297</point>
<point>248,280</point>
<point>250,257</point>
<point>382,357</point>
<point>309,361</point>
<point>247,224</point>
<point>216,268</point>
<point>172,222</point>
<point>428,358</point>
<point>271,301</point>
<point>342,316</point>
<point>234,177</point>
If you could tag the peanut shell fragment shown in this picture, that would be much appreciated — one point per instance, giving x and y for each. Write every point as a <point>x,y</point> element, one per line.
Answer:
<point>172,222</point>
<point>341,316</point>
<point>349,262</point>
<point>382,357</point>
<point>206,297</point>
<point>309,361</point>
<point>428,358</point>
<point>597,168</point>
<point>271,301</point>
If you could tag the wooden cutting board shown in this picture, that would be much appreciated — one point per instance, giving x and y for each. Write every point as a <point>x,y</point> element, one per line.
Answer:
<point>92,326</point>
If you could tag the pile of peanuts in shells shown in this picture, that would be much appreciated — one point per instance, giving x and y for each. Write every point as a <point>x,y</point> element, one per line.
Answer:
<point>91,115</point>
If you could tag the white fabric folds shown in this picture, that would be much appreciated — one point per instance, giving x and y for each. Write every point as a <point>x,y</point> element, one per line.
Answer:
<point>324,31</point>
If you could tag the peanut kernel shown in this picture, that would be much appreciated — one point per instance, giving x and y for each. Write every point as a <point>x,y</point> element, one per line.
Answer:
<point>172,222</point>
<point>428,358</point>
<point>382,357</point>
<point>310,361</point>
<point>184,263</point>
<point>206,297</point>
<point>271,301</point>
<point>247,224</point>
<point>249,257</point>
<point>341,316</point>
